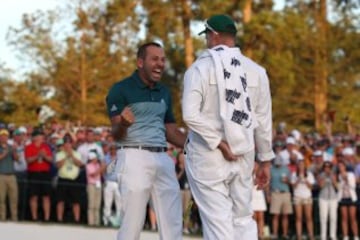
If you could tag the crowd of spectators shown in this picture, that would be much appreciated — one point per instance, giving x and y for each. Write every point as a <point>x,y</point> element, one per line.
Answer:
<point>67,174</point>
<point>315,186</point>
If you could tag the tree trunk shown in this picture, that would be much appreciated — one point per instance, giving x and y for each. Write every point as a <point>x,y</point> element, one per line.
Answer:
<point>83,81</point>
<point>320,67</point>
<point>247,13</point>
<point>186,16</point>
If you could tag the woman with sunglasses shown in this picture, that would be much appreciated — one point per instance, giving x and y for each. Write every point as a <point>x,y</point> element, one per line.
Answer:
<point>328,202</point>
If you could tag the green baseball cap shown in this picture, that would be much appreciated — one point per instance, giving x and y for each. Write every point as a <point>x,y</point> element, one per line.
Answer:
<point>220,23</point>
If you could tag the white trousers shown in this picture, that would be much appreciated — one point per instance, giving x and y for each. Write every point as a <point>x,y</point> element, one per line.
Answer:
<point>111,194</point>
<point>143,175</point>
<point>328,211</point>
<point>222,190</point>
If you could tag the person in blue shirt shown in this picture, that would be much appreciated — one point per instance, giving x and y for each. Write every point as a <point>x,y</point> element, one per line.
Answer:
<point>140,111</point>
<point>280,200</point>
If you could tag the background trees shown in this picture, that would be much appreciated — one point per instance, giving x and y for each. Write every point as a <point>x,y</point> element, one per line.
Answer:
<point>309,49</point>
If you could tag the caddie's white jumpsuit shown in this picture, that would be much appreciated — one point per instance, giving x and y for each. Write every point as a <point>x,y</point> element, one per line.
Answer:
<point>222,189</point>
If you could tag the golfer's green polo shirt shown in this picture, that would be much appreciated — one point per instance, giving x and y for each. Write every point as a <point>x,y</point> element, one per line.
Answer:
<point>151,108</point>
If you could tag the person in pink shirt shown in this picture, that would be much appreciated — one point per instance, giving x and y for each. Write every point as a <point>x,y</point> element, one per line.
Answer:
<point>94,170</point>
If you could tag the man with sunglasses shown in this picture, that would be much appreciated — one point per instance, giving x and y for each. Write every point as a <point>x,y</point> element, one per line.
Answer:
<point>227,107</point>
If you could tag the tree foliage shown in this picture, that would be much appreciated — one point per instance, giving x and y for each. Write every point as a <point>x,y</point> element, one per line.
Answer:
<point>307,54</point>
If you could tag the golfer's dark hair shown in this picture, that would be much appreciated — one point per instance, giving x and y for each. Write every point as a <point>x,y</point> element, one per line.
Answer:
<point>141,53</point>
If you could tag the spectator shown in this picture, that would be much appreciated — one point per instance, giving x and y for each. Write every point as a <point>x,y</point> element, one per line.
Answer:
<point>93,176</point>
<point>39,158</point>
<point>290,155</point>
<point>8,185</point>
<point>316,168</point>
<point>80,137</point>
<point>185,190</point>
<point>357,174</point>
<point>259,207</point>
<point>90,146</point>
<point>109,141</point>
<point>347,141</point>
<point>98,136</point>
<point>348,154</point>
<point>347,201</point>
<point>52,140</point>
<point>20,167</point>
<point>278,147</point>
<point>280,199</point>
<point>111,189</point>
<point>328,202</point>
<point>152,216</point>
<point>317,163</point>
<point>68,162</point>
<point>302,182</point>
<point>324,145</point>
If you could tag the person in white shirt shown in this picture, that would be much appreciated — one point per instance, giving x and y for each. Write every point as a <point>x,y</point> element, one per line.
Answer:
<point>290,153</point>
<point>226,118</point>
<point>90,146</point>
<point>302,182</point>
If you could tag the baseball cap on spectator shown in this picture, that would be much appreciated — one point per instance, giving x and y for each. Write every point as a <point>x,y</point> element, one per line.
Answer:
<point>220,23</point>
<point>4,132</point>
<point>296,134</point>
<point>98,131</point>
<point>22,129</point>
<point>348,151</point>
<point>17,132</point>
<point>290,140</point>
<point>92,155</point>
<point>54,135</point>
<point>318,153</point>
<point>59,142</point>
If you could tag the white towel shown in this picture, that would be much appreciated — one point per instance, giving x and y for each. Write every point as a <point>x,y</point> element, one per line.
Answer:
<point>234,101</point>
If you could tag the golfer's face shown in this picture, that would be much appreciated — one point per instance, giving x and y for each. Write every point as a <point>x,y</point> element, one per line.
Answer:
<point>153,65</point>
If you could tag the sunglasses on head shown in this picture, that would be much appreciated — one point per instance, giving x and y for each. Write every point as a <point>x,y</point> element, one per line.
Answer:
<point>208,27</point>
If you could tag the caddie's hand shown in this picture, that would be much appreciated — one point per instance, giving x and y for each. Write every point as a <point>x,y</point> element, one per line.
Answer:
<point>127,117</point>
<point>226,151</point>
<point>262,176</point>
